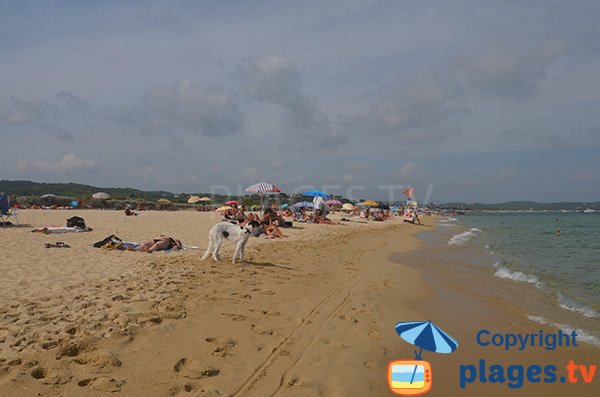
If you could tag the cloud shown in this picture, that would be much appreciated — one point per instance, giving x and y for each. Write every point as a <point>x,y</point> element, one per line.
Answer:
<point>251,173</point>
<point>68,164</point>
<point>412,109</point>
<point>274,79</point>
<point>506,173</point>
<point>503,72</point>
<point>583,174</point>
<point>62,115</point>
<point>410,172</point>
<point>184,108</point>
<point>356,166</point>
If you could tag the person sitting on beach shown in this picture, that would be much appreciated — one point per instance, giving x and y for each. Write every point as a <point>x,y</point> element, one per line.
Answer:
<point>160,243</point>
<point>267,223</point>
<point>288,213</point>
<point>129,212</point>
<point>377,216</point>
<point>240,215</point>
<point>231,212</point>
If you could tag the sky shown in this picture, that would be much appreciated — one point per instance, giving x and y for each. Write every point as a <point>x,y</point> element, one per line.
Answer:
<point>485,101</point>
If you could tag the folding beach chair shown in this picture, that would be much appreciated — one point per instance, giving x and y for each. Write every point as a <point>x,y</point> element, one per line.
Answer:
<point>5,210</point>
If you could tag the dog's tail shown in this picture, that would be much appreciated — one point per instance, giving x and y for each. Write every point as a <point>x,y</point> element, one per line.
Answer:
<point>210,246</point>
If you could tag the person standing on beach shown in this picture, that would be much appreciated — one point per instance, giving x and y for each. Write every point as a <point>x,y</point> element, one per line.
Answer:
<point>318,205</point>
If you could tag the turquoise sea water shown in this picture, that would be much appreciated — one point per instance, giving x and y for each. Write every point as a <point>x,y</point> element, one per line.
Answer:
<point>524,248</point>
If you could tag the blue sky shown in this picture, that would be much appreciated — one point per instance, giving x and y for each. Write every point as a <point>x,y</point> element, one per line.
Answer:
<point>484,101</point>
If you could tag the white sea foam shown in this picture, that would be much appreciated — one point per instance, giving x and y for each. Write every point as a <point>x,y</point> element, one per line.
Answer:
<point>503,272</point>
<point>448,220</point>
<point>462,238</point>
<point>569,304</point>
<point>582,336</point>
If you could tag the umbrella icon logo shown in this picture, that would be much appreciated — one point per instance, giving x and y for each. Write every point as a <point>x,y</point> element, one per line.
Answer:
<point>414,377</point>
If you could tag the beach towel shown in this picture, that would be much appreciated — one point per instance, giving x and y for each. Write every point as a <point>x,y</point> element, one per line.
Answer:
<point>60,229</point>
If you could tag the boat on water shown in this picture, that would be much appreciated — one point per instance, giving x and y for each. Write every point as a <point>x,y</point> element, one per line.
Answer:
<point>589,211</point>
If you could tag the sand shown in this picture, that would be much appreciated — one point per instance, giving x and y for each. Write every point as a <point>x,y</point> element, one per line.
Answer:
<point>311,314</point>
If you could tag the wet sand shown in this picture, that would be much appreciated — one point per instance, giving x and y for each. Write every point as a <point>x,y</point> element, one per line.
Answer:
<point>466,299</point>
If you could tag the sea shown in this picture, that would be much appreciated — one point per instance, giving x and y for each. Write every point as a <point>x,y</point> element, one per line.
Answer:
<point>552,278</point>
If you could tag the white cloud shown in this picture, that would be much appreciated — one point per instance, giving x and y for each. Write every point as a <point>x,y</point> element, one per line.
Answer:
<point>184,107</point>
<point>252,173</point>
<point>274,79</point>
<point>412,109</point>
<point>68,164</point>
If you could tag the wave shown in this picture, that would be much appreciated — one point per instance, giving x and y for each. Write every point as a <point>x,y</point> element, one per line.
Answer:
<point>462,238</point>
<point>448,220</point>
<point>573,306</point>
<point>582,335</point>
<point>503,272</point>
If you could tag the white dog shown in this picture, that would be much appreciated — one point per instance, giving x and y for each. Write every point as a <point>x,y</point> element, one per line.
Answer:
<point>234,233</point>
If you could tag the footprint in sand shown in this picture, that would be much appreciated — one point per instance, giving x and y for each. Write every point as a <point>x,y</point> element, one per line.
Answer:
<point>194,369</point>
<point>103,362</point>
<point>223,346</point>
<point>235,316</point>
<point>260,330</point>
<point>75,347</point>
<point>52,376</point>
<point>102,383</point>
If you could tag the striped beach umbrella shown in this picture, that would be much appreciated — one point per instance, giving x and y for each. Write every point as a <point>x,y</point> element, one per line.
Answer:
<point>426,335</point>
<point>263,187</point>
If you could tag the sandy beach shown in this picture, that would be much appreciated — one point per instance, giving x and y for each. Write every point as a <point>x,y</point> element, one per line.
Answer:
<point>309,314</point>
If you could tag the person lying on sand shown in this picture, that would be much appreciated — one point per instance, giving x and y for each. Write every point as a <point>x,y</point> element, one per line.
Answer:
<point>323,220</point>
<point>160,243</point>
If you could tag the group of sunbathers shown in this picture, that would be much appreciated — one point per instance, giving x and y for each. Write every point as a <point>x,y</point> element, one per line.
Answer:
<point>270,223</point>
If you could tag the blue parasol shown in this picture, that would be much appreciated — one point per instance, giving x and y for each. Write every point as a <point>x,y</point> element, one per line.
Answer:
<point>315,193</point>
<point>426,335</point>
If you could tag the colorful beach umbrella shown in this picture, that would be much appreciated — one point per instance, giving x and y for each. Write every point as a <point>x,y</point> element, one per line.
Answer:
<point>232,202</point>
<point>223,208</point>
<point>333,202</point>
<point>205,199</point>
<point>348,207</point>
<point>315,193</point>
<point>263,187</point>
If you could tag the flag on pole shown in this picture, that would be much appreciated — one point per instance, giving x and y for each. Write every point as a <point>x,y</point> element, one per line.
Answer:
<point>409,192</point>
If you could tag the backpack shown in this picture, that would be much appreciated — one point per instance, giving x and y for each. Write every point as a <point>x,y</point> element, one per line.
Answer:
<point>76,221</point>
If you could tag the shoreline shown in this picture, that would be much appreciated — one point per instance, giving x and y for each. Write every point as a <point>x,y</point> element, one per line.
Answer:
<point>465,301</point>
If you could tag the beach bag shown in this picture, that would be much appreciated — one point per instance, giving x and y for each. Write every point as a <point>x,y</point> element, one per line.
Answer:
<point>109,241</point>
<point>76,221</point>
